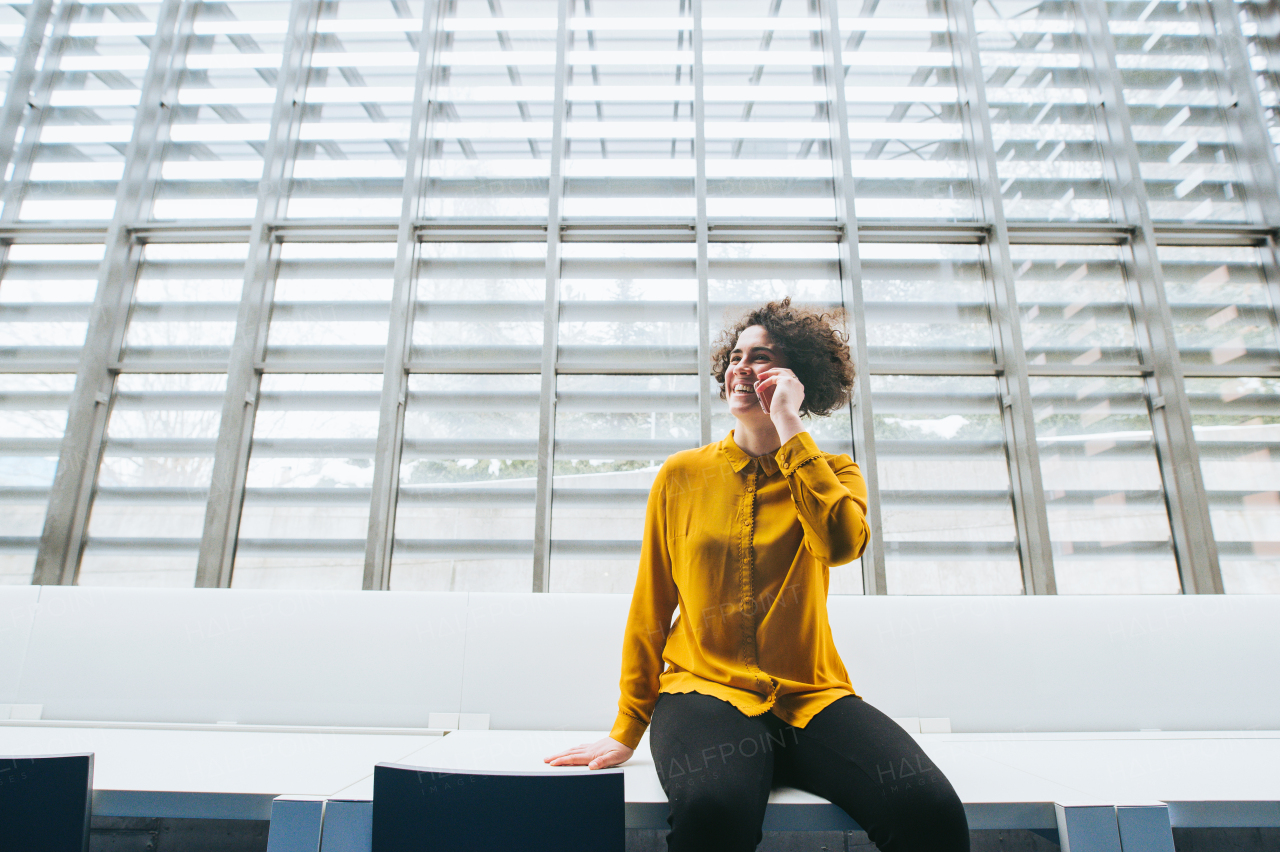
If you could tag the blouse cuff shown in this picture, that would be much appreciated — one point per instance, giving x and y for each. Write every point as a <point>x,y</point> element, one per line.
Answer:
<point>796,453</point>
<point>628,730</point>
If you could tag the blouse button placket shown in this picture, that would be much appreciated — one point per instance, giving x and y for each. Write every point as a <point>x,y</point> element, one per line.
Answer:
<point>747,586</point>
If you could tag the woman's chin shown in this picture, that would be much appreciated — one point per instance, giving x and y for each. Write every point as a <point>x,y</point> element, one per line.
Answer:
<point>747,410</point>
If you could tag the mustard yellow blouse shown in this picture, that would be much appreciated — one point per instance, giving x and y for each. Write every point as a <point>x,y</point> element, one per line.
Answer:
<point>742,546</point>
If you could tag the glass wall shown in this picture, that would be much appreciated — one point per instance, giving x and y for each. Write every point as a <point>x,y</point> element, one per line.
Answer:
<point>84,104</point>
<point>410,295</point>
<point>153,484</point>
<point>468,477</point>
<point>46,296</point>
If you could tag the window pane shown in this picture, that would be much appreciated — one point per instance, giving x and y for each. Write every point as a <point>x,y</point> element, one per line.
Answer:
<point>945,503</point>
<point>1188,163</point>
<point>185,303</point>
<point>351,145</point>
<point>906,130</point>
<point>480,306</point>
<point>1262,44</point>
<point>1103,492</point>
<point>742,275</point>
<point>628,306</point>
<point>331,305</point>
<point>629,111</point>
<point>925,304</point>
<point>1237,428</point>
<point>306,504</point>
<point>148,511</point>
<point>491,127</point>
<point>468,476</point>
<point>1074,305</point>
<point>12,26</point>
<point>97,75</point>
<point>1042,124</point>
<point>33,415</point>
<point>45,297</point>
<point>612,435</point>
<point>1221,305</point>
<point>768,133</point>
<point>213,161</point>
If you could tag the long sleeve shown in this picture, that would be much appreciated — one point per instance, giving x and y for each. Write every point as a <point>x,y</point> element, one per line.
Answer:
<point>648,624</point>
<point>743,547</point>
<point>830,496</point>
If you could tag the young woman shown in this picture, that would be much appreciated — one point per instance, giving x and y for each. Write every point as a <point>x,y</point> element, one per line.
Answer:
<point>745,690</point>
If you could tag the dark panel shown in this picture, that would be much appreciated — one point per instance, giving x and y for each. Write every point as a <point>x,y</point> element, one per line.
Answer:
<point>177,834</point>
<point>1226,839</point>
<point>44,803</point>
<point>417,810</point>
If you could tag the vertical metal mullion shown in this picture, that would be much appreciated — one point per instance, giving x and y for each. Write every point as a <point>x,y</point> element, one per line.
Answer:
<point>700,192</point>
<point>1270,252</point>
<point>63,537</point>
<point>1245,125</point>
<point>874,579</point>
<point>28,111</point>
<point>1030,515</point>
<point>551,317</point>
<point>21,79</point>
<point>22,108</point>
<point>244,374</point>
<point>1247,130</point>
<point>1194,546</point>
<point>395,378</point>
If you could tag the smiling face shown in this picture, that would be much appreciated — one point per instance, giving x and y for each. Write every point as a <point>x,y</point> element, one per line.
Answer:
<point>754,353</point>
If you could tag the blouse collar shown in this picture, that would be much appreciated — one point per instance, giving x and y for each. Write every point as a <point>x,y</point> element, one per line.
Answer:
<point>739,460</point>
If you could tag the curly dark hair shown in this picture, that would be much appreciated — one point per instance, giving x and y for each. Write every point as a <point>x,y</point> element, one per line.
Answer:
<point>817,351</point>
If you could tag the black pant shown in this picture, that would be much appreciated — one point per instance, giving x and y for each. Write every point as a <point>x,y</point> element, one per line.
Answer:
<point>717,767</point>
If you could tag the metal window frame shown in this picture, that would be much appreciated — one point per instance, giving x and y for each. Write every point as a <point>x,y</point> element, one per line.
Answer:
<point>244,372</point>
<point>64,533</point>
<point>395,375</point>
<point>874,578</point>
<point>1022,452</point>
<point>673,230</point>
<point>23,75</point>
<point>541,579</point>
<point>1247,129</point>
<point>1195,548</point>
<point>17,102</point>
<point>64,536</point>
<point>19,107</point>
<point>1245,113</point>
<point>702,231</point>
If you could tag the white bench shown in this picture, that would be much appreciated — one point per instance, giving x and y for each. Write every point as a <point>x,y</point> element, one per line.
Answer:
<point>328,683</point>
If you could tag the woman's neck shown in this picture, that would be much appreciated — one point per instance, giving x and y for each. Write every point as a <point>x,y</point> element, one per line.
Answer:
<point>757,438</point>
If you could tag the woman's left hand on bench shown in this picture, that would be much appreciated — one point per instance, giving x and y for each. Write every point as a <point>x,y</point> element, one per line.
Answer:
<point>598,755</point>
